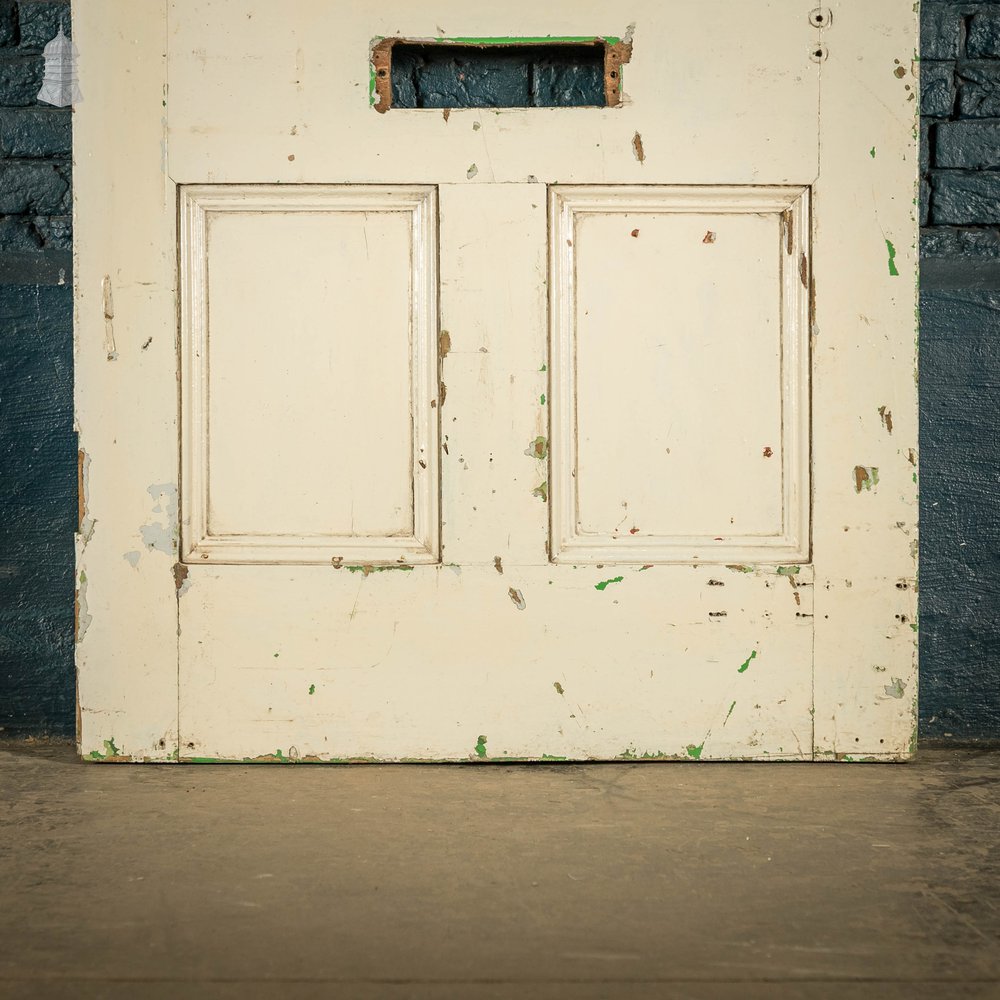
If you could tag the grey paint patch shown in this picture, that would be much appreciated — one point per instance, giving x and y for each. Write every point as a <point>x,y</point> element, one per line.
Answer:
<point>84,617</point>
<point>896,689</point>
<point>132,558</point>
<point>162,537</point>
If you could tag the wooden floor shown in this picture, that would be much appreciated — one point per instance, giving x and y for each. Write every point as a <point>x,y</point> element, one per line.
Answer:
<point>693,881</point>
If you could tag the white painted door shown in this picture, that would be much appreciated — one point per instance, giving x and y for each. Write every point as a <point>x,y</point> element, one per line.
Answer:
<point>527,433</point>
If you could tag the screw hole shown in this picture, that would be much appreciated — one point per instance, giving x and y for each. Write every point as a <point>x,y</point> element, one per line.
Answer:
<point>381,72</point>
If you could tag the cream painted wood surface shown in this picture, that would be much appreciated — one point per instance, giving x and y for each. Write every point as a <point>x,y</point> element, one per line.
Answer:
<point>515,434</point>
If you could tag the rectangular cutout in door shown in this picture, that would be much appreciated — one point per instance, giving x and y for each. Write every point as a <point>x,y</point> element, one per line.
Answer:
<point>309,420</point>
<point>446,73</point>
<point>680,422</point>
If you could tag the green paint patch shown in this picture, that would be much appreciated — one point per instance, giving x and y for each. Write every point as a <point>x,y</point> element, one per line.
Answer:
<point>481,748</point>
<point>544,368</point>
<point>541,399</point>
<point>312,688</point>
<point>729,713</point>
<point>893,270</point>
<point>740,569</point>
<point>789,570</point>
<point>541,491</point>
<point>694,752</point>
<point>628,754</point>
<point>871,152</point>
<point>745,665</point>
<point>604,584</point>
<point>558,687</point>
<point>553,757</point>
<point>110,751</point>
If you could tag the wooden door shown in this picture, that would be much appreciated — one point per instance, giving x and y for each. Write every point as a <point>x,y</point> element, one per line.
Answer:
<point>515,433</point>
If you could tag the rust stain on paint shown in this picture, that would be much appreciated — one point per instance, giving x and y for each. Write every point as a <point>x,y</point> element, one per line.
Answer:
<point>517,598</point>
<point>640,153</point>
<point>886,414</point>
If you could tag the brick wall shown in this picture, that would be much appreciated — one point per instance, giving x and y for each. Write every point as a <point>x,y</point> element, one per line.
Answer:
<point>37,443</point>
<point>960,370</point>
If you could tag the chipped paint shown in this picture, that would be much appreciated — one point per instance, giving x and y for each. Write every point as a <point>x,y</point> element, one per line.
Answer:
<point>789,570</point>
<point>637,148</point>
<point>745,665</point>
<point>83,616</point>
<point>517,598</point>
<point>694,752</point>
<point>472,171</point>
<point>865,478</point>
<point>885,415</point>
<point>729,713</point>
<point>444,344</point>
<point>111,752</point>
<point>85,523</point>
<point>558,687</point>
<point>108,299</point>
<point>368,568</point>
<point>710,237</point>
<point>181,582</point>
<point>604,584</point>
<point>481,748</point>
<point>896,689</point>
<point>541,491</point>
<point>312,688</point>
<point>539,448</point>
<point>498,564</point>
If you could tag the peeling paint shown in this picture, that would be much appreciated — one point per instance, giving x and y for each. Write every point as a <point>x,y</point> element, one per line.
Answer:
<point>637,150</point>
<point>498,564</point>
<point>740,569</point>
<point>472,171</point>
<point>162,537</point>
<point>481,748</point>
<point>542,492</point>
<point>745,665</point>
<point>368,569</point>
<point>865,478</point>
<point>789,570</point>
<point>83,616</point>
<point>710,237</point>
<point>558,687</point>
<point>517,598</point>
<point>85,523</point>
<point>695,751</point>
<point>604,584</point>
<point>886,416</point>
<point>444,344</point>
<point>111,752</point>
<point>181,582</point>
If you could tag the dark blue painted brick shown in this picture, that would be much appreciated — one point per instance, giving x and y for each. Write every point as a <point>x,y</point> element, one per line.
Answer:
<point>980,243</point>
<point>39,21</point>
<point>29,132</point>
<point>961,198</point>
<point>939,32</point>
<point>937,88</point>
<point>970,145</point>
<point>979,89</point>
<point>8,22</point>
<point>20,79</point>
<point>41,188</point>
<point>983,41</point>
